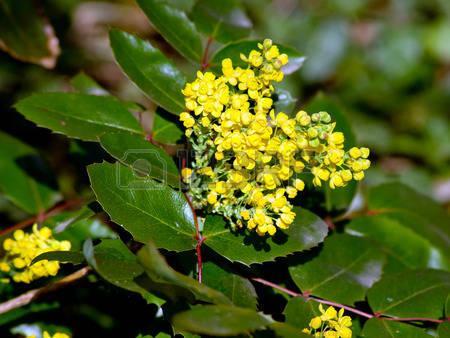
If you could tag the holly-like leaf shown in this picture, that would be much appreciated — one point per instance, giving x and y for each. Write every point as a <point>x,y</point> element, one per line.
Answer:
<point>149,210</point>
<point>444,330</point>
<point>150,70</point>
<point>224,20</point>
<point>418,212</point>
<point>175,27</point>
<point>234,49</point>
<point>299,312</point>
<point>81,116</point>
<point>25,178</point>
<point>283,330</point>
<point>404,248</point>
<point>114,262</point>
<point>26,35</point>
<point>381,328</point>
<point>73,257</point>
<point>165,279</point>
<point>307,231</point>
<point>337,274</point>
<point>238,289</point>
<point>165,129</point>
<point>142,156</point>
<point>84,84</point>
<point>220,320</point>
<point>413,293</point>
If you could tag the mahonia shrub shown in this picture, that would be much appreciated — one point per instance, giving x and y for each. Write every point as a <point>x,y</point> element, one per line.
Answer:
<point>247,156</point>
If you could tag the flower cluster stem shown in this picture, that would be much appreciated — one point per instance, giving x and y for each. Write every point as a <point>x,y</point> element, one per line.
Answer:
<point>347,308</point>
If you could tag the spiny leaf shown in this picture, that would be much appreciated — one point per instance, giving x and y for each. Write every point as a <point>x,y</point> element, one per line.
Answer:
<point>147,209</point>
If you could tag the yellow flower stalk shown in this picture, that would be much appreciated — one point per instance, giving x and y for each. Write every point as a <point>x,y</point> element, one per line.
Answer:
<point>247,156</point>
<point>24,247</point>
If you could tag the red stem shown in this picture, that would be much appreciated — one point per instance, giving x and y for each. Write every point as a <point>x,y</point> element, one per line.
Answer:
<point>348,308</point>
<point>204,63</point>
<point>42,216</point>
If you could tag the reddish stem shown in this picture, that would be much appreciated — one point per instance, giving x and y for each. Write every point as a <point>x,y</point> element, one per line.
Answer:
<point>42,216</point>
<point>348,308</point>
<point>204,63</point>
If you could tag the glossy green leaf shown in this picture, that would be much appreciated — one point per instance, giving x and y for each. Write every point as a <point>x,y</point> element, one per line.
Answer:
<point>73,257</point>
<point>78,115</point>
<point>26,35</point>
<point>238,289</point>
<point>114,262</point>
<point>336,198</point>
<point>165,129</point>
<point>307,231</point>
<point>78,226</point>
<point>150,70</point>
<point>338,274</point>
<point>147,209</point>
<point>25,178</point>
<point>413,293</point>
<point>234,50</point>
<point>84,84</point>
<point>175,27</point>
<point>220,320</point>
<point>418,212</point>
<point>283,330</point>
<point>224,20</point>
<point>164,278</point>
<point>404,248</point>
<point>379,328</point>
<point>143,157</point>
<point>299,312</point>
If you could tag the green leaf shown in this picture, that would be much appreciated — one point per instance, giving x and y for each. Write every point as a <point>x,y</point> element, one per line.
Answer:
<point>307,231</point>
<point>224,20</point>
<point>283,330</point>
<point>175,27</point>
<point>142,157</point>
<point>414,293</point>
<point>381,328</point>
<point>78,226</point>
<point>150,70</point>
<point>220,320</point>
<point>299,312</point>
<point>25,178</point>
<point>84,84</point>
<point>81,116</point>
<point>165,129</point>
<point>344,269</point>
<point>234,50</point>
<point>418,212</point>
<point>73,257</point>
<point>444,330</point>
<point>342,197</point>
<point>404,248</point>
<point>165,278</point>
<point>114,262</point>
<point>147,209</point>
<point>238,289</point>
<point>26,35</point>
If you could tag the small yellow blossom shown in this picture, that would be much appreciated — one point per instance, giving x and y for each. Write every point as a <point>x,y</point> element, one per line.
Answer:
<point>330,324</point>
<point>24,247</point>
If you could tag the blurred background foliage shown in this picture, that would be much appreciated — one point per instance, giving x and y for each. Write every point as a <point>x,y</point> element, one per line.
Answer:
<point>386,64</point>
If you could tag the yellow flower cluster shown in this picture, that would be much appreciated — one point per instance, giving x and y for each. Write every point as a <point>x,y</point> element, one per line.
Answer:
<point>330,324</point>
<point>247,156</point>
<point>56,335</point>
<point>23,248</point>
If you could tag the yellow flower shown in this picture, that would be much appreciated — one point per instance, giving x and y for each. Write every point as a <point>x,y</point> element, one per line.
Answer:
<point>330,324</point>
<point>315,323</point>
<point>24,247</point>
<point>247,154</point>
